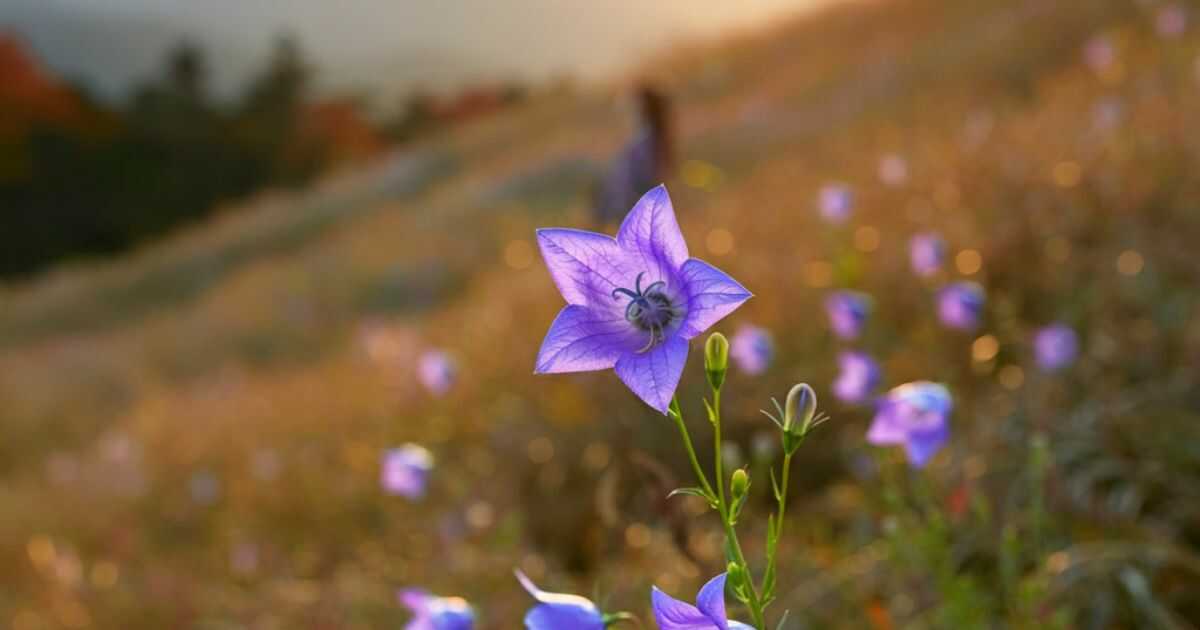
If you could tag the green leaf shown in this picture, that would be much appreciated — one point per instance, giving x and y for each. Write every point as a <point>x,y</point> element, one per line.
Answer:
<point>712,413</point>
<point>695,492</point>
<point>782,620</point>
<point>775,487</point>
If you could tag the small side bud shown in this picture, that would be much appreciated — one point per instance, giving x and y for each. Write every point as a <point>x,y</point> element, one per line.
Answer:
<point>716,359</point>
<point>739,484</point>
<point>734,575</point>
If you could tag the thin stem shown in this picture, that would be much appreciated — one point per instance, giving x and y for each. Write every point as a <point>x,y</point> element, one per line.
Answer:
<point>691,450</point>
<point>782,501</point>
<point>755,606</point>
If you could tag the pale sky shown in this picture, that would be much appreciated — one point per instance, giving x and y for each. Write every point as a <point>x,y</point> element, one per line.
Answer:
<point>377,43</point>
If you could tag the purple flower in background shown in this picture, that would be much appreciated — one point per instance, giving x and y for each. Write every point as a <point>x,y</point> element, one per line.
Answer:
<point>1055,347</point>
<point>436,613</point>
<point>752,349</point>
<point>1171,21</point>
<point>708,613</point>
<point>859,375</point>
<point>1099,53</point>
<point>633,302</point>
<point>835,202</point>
<point>560,611</point>
<point>848,311</point>
<point>915,415</point>
<point>436,371</point>
<point>926,252</point>
<point>405,471</point>
<point>960,305</point>
<point>893,170</point>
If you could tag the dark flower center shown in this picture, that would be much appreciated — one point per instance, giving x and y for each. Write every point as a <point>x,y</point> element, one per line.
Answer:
<point>649,310</point>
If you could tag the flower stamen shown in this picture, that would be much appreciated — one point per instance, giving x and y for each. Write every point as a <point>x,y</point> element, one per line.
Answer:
<point>649,310</point>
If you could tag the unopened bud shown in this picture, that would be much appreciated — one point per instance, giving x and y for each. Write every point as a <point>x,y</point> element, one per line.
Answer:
<point>716,359</point>
<point>801,408</point>
<point>739,484</point>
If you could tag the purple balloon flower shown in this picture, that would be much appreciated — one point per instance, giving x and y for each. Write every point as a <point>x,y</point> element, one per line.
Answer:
<point>405,471</point>
<point>1055,347</point>
<point>431,612</point>
<point>926,252</point>
<point>752,349</point>
<point>835,201</point>
<point>960,305</point>
<point>633,302</point>
<point>436,371</point>
<point>915,415</point>
<point>708,613</point>
<point>848,311</point>
<point>859,375</point>
<point>560,611</point>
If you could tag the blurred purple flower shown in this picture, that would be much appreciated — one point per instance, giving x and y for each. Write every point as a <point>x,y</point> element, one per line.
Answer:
<point>430,612</point>
<point>708,613</point>
<point>1099,53</point>
<point>560,611</point>
<point>436,371</point>
<point>405,471</point>
<point>835,201</point>
<point>859,375</point>
<point>893,170</point>
<point>848,311</point>
<point>915,415</point>
<point>926,252</point>
<point>1171,21</point>
<point>1056,346</point>
<point>752,349</point>
<point>633,302</point>
<point>960,305</point>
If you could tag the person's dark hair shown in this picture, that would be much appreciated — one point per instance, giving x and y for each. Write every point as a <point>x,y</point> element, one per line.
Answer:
<point>655,110</point>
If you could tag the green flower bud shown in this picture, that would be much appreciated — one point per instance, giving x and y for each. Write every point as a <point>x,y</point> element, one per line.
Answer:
<point>798,416</point>
<point>734,575</point>
<point>739,484</point>
<point>716,359</point>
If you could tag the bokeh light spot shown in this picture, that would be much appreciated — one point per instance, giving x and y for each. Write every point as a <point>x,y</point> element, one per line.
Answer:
<point>1130,263</point>
<point>1067,174</point>
<point>540,450</point>
<point>719,241</point>
<point>866,238</point>
<point>518,254</point>
<point>818,274</point>
<point>637,536</point>
<point>985,348</point>
<point>968,261</point>
<point>1011,377</point>
<point>480,515</point>
<point>105,574</point>
<point>596,456</point>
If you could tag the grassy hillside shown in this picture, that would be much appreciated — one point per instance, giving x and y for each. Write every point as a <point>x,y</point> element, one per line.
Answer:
<point>191,436</point>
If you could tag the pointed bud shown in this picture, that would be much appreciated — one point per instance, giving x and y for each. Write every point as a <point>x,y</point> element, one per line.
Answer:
<point>739,484</point>
<point>798,416</point>
<point>716,359</point>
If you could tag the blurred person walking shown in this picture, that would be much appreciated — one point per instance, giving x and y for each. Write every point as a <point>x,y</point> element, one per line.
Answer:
<point>646,161</point>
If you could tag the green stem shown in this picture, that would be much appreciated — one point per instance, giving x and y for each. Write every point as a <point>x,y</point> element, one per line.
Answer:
<point>782,501</point>
<point>691,450</point>
<point>755,605</point>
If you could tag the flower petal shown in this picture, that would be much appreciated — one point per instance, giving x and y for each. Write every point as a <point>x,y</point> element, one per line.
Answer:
<point>712,295</point>
<point>653,375</point>
<point>672,614</point>
<point>586,266</point>
<point>559,610</point>
<point>884,430</point>
<point>711,601</point>
<point>921,445</point>
<point>651,232</point>
<point>580,339</point>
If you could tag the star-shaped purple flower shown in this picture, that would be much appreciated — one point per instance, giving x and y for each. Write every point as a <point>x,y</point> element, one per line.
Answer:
<point>431,612</point>
<point>560,611</point>
<point>633,302</point>
<point>915,415</point>
<point>1055,347</point>
<point>707,614</point>
<point>858,376</point>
